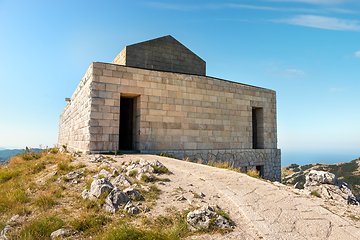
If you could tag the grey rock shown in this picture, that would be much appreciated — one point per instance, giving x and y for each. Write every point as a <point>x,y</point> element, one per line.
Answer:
<point>60,233</point>
<point>121,181</point>
<point>54,173</point>
<point>316,178</point>
<point>85,194</point>
<point>115,173</point>
<point>146,209</point>
<point>130,208</point>
<point>181,198</point>
<point>62,149</point>
<point>222,222</point>
<point>297,185</point>
<point>329,187</point>
<point>140,176</point>
<point>103,173</point>
<point>13,219</point>
<point>75,154</point>
<point>114,200</point>
<point>132,193</point>
<point>73,175</point>
<point>200,218</point>
<point>98,187</point>
<point>5,231</point>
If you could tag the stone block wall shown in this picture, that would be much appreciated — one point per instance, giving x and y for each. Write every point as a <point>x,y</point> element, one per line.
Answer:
<point>74,122</point>
<point>165,54</point>
<point>179,111</point>
<point>245,159</point>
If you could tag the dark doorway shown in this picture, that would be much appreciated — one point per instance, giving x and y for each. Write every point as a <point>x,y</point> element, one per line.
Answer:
<point>260,169</point>
<point>258,128</point>
<point>126,123</point>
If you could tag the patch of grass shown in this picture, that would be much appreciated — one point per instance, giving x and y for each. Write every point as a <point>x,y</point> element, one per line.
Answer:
<point>64,166</point>
<point>129,232</point>
<point>40,228</point>
<point>7,174</point>
<point>161,170</point>
<point>202,179</point>
<point>80,165</point>
<point>38,167</point>
<point>354,218</point>
<point>254,174</point>
<point>45,201</point>
<point>92,223</point>
<point>315,193</point>
<point>166,155</point>
<point>132,173</point>
<point>195,195</point>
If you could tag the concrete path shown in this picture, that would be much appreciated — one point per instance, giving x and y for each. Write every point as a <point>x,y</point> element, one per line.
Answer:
<point>276,213</point>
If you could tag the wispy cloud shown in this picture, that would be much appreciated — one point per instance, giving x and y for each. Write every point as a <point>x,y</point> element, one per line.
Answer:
<point>295,72</point>
<point>357,54</point>
<point>341,10</point>
<point>327,2</point>
<point>337,89</point>
<point>184,7</point>
<point>323,22</point>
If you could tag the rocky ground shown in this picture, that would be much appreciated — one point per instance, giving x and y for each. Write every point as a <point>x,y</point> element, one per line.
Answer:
<point>256,209</point>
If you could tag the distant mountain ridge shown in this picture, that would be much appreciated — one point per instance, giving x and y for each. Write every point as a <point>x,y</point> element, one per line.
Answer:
<point>348,172</point>
<point>5,154</point>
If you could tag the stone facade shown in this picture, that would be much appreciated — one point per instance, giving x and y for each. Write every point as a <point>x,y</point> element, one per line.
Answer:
<point>188,115</point>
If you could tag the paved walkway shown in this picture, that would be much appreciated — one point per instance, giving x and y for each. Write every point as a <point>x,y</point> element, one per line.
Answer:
<point>275,212</point>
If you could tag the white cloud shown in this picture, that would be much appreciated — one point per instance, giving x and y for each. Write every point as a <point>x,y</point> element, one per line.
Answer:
<point>323,22</point>
<point>337,89</point>
<point>295,72</point>
<point>357,54</point>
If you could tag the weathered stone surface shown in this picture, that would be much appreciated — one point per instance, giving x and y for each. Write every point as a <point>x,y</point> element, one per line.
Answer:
<point>60,233</point>
<point>316,178</point>
<point>114,200</point>
<point>132,193</point>
<point>104,174</point>
<point>297,185</point>
<point>98,187</point>
<point>4,232</point>
<point>131,208</point>
<point>121,181</point>
<point>329,187</point>
<point>200,218</point>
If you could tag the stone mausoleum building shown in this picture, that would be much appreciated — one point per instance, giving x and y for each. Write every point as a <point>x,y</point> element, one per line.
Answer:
<point>155,98</point>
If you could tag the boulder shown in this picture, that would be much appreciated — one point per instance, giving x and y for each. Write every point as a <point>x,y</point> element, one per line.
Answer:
<point>98,187</point>
<point>114,200</point>
<point>131,208</point>
<point>316,178</point>
<point>5,231</point>
<point>132,193</point>
<point>103,173</point>
<point>60,233</point>
<point>121,181</point>
<point>201,218</point>
<point>329,187</point>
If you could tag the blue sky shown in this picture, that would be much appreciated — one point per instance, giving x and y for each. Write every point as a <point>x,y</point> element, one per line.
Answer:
<point>306,50</point>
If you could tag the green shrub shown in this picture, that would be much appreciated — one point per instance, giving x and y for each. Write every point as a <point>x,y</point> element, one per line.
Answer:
<point>133,173</point>
<point>38,167</point>
<point>161,170</point>
<point>315,193</point>
<point>254,174</point>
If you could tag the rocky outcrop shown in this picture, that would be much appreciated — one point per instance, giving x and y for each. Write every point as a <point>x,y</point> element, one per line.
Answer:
<point>329,187</point>
<point>201,219</point>
<point>98,187</point>
<point>131,208</point>
<point>132,193</point>
<point>121,181</point>
<point>114,200</point>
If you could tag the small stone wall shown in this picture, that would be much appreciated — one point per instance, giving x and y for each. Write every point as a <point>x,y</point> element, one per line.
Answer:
<point>245,159</point>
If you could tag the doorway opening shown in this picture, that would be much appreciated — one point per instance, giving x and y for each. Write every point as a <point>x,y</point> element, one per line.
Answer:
<point>258,128</point>
<point>129,121</point>
<point>260,170</point>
